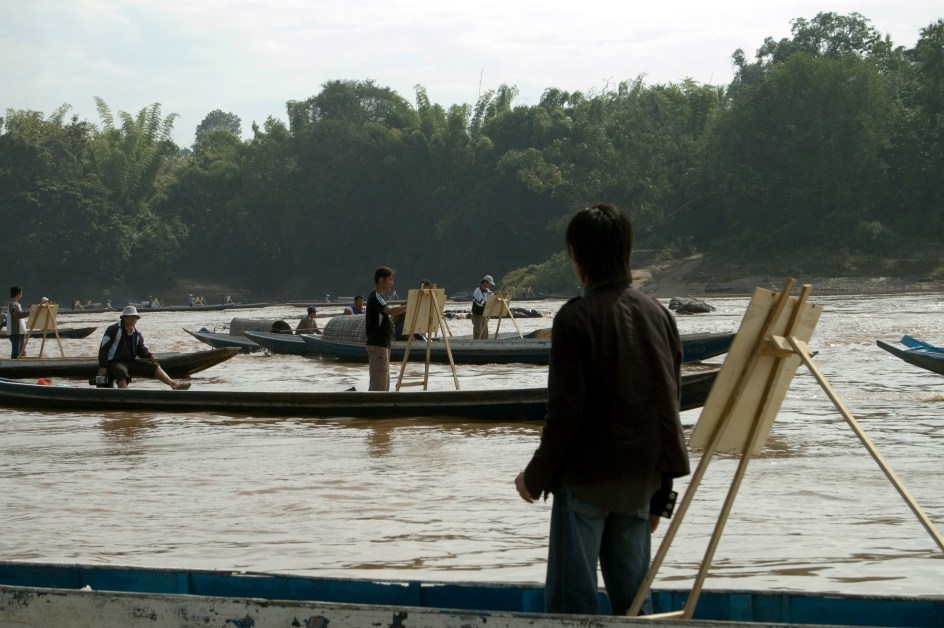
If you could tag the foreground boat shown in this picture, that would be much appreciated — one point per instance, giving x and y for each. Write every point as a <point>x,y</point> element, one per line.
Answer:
<point>517,404</point>
<point>38,594</point>
<point>174,364</point>
<point>695,348</point>
<point>918,353</point>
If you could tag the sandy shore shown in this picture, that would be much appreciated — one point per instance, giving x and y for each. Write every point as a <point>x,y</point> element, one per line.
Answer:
<point>685,277</point>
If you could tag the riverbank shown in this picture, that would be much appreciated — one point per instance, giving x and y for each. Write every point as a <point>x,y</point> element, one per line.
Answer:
<point>694,276</point>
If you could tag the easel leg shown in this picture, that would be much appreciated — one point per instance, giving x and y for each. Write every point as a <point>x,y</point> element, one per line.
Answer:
<point>409,343</point>
<point>879,459</point>
<point>709,450</point>
<point>442,321</point>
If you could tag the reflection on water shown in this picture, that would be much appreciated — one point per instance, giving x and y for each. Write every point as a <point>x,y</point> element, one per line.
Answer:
<point>424,498</point>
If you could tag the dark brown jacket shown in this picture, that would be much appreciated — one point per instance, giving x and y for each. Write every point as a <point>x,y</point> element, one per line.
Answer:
<point>613,393</point>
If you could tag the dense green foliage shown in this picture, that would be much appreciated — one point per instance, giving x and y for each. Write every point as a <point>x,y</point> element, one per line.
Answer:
<point>833,138</point>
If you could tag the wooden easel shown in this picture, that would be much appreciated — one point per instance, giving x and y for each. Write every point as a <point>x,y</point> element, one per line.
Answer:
<point>424,308</point>
<point>740,411</point>
<point>496,306</point>
<point>43,315</point>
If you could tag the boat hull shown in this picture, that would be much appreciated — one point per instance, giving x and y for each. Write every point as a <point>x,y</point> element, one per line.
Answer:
<point>931,360</point>
<point>36,594</point>
<point>174,364</point>
<point>64,332</point>
<point>222,341</point>
<point>695,348</point>
<point>519,404</point>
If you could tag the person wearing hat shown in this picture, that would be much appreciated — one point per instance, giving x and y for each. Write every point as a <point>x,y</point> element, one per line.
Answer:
<point>479,297</point>
<point>122,354</point>
<point>308,324</point>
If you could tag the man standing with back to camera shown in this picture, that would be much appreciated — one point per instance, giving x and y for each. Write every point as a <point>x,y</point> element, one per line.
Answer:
<point>612,440</point>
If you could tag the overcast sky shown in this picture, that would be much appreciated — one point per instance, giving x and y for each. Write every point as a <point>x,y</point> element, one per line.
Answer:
<point>250,57</point>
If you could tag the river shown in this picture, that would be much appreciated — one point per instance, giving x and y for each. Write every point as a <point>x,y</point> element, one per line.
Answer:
<point>435,500</point>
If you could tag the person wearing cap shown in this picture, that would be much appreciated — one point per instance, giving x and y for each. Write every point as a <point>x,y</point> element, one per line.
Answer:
<point>307,324</point>
<point>479,297</point>
<point>122,353</point>
<point>357,307</point>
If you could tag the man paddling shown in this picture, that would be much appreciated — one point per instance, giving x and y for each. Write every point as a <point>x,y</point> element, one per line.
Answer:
<point>122,354</point>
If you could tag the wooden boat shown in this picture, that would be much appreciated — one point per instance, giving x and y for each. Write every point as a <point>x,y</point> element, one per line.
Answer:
<point>174,364</point>
<point>64,332</point>
<point>914,343</point>
<point>106,596</point>
<point>695,347</point>
<point>518,404</point>
<point>219,341</point>
<point>918,353</point>
<point>280,343</point>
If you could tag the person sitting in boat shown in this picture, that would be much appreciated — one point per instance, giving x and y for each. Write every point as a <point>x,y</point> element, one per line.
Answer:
<point>122,353</point>
<point>357,307</point>
<point>308,324</point>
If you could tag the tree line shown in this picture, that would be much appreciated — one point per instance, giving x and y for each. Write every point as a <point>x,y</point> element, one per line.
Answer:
<point>831,139</point>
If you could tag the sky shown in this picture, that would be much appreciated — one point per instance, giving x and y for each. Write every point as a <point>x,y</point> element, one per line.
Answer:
<point>251,57</point>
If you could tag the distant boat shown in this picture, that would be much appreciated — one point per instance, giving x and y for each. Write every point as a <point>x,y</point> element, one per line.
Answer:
<point>280,342</point>
<point>64,332</point>
<point>174,364</point>
<point>515,404</point>
<point>217,340</point>
<point>918,353</point>
<point>695,348</point>
<point>42,594</point>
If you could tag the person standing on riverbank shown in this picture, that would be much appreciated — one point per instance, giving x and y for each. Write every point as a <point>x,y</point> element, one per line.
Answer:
<point>380,329</point>
<point>612,439</point>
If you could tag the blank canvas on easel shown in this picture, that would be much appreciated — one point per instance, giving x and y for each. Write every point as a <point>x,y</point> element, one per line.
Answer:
<point>496,306</point>
<point>421,318</point>
<point>766,383</point>
<point>42,316</point>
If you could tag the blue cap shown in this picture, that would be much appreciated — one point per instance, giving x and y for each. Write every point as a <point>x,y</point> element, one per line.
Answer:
<point>311,309</point>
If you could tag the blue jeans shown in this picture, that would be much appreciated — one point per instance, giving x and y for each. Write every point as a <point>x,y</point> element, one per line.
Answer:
<point>580,535</point>
<point>17,340</point>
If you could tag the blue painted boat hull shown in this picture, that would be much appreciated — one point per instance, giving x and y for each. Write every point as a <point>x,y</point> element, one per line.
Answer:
<point>695,348</point>
<point>29,591</point>
<point>927,359</point>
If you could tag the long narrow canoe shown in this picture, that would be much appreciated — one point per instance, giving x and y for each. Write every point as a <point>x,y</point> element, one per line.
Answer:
<point>695,348</point>
<point>174,364</point>
<point>220,341</point>
<point>913,343</point>
<point>64,332</point>
<point>100,596</point>
<point>931,360</point>
<point>517,404</point>
<point>280,343</point>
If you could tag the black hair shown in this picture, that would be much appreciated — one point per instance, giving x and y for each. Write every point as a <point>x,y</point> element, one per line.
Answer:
<point>15,290</point>
<point>382,273</point>
<point>600,240</point>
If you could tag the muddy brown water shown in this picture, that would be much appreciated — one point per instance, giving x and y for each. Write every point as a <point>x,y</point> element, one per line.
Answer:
<point>431,499</point>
